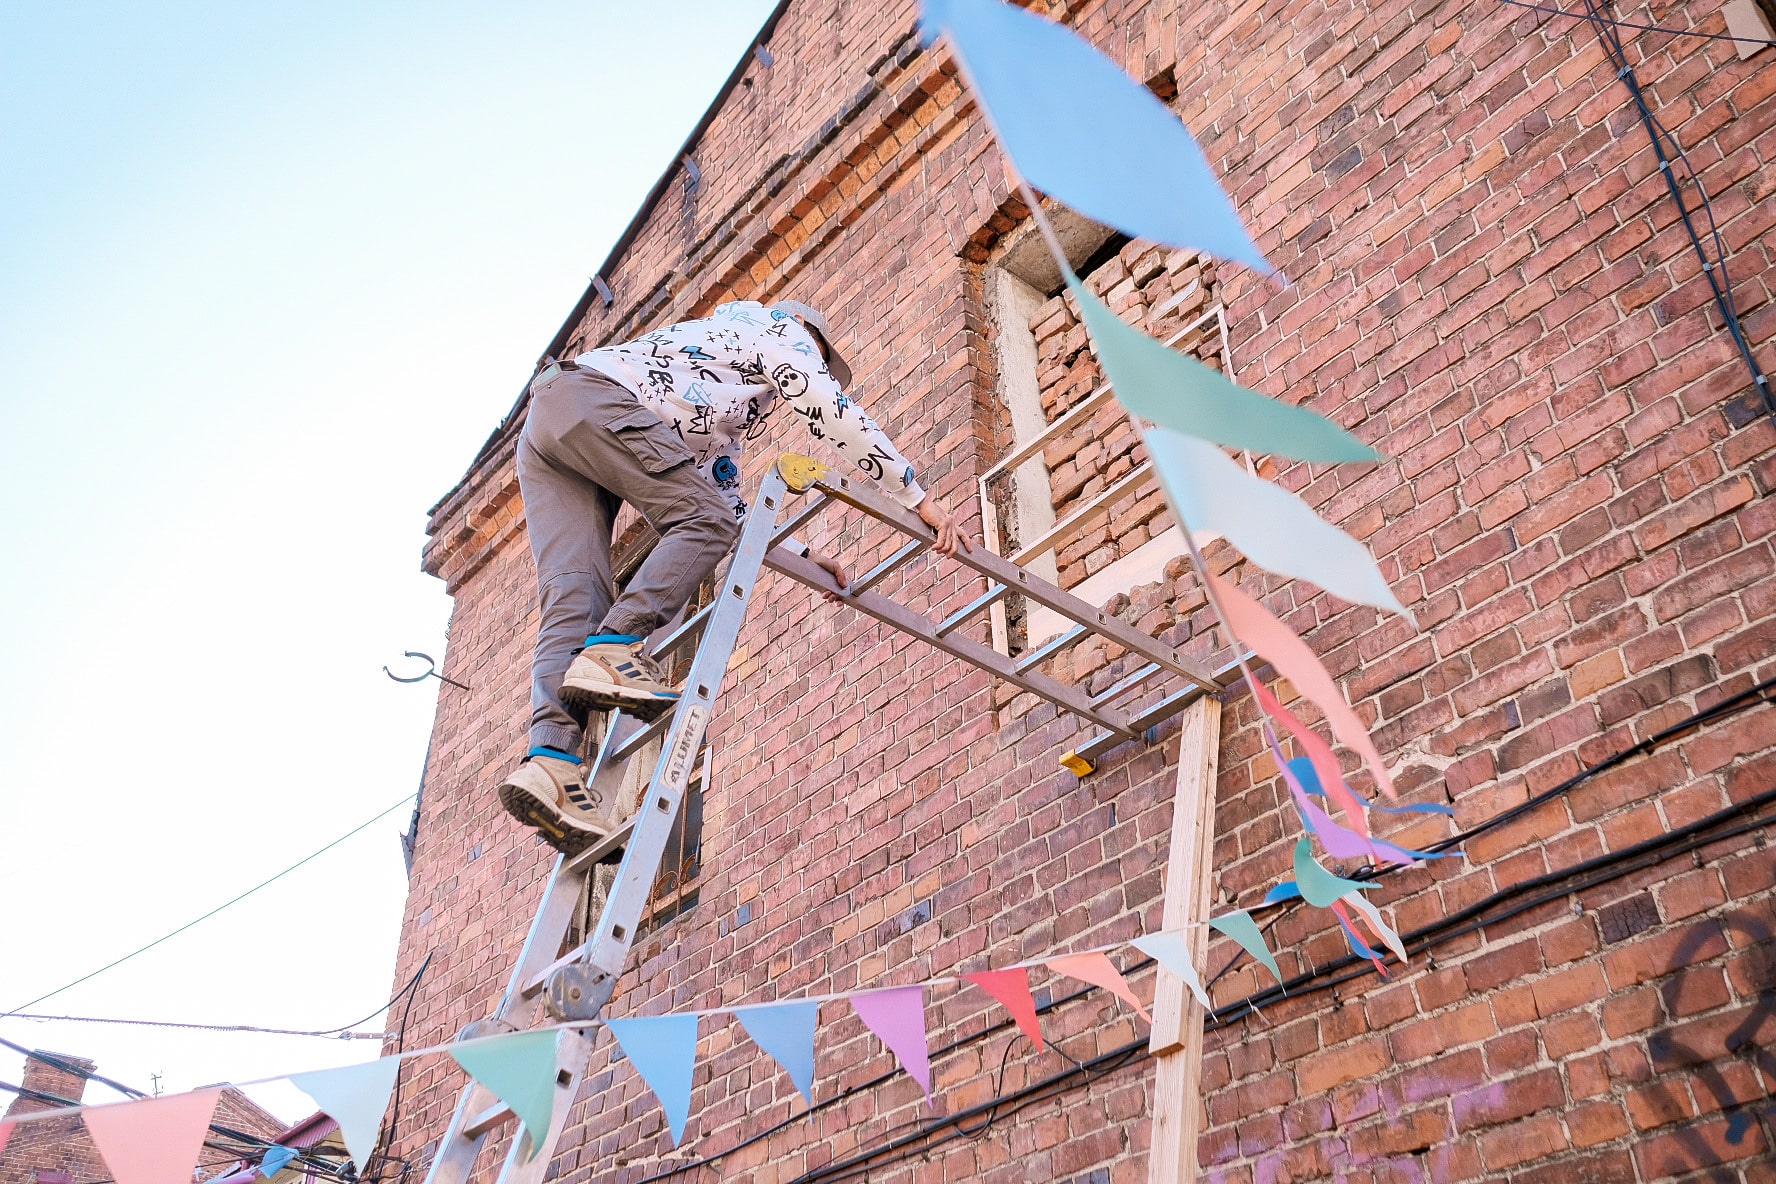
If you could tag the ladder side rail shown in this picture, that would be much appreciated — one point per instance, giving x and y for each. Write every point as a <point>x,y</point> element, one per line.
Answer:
<point>573,1056</point>
<point>890,612</point>
<point>608,949</point>
<point>454,1160</point>
<point>458,1149</point>
<point>1149,717</point>
<point>1024,583</point>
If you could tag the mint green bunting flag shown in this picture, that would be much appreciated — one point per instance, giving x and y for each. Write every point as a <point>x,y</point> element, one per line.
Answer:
<point>1241,928</point>
<point>1273,527</point>
<point>356,1097</point>
<point>1320,887</point>
<point>1158,383</point>
<point>520,1070</point>
<point>1172,950</point>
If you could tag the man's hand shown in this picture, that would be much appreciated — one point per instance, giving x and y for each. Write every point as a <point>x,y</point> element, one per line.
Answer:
<point>950,538</point>
<point>834,570</point>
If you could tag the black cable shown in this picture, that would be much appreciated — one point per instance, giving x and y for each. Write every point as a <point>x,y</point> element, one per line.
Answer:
<point>1621,24</point>
<point>1715,271</point>
<point>1604,869</point>
<point>1726,708</point>
<point>412,993</point>
<point>1762,692</point>
<point>1592,872</point>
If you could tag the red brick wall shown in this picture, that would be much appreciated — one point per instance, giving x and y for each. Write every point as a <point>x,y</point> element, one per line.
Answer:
<point>1163,291</point>
<point>1488,284</point>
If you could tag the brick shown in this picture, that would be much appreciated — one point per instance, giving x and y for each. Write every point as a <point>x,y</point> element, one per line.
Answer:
<point>1484,285</point>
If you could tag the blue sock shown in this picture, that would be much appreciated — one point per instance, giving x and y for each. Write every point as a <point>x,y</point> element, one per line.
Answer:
<point>602,638</point>
<point>542,750</point>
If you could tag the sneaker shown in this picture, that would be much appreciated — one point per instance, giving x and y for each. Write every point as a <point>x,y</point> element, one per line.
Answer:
<point>551,795</point>
<point>618,674</point>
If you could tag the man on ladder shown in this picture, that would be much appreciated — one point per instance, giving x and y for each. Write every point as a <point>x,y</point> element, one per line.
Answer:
<point>659,423</point>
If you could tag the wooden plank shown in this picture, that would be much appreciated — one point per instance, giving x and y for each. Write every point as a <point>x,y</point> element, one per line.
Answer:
<point>1177,1016</point>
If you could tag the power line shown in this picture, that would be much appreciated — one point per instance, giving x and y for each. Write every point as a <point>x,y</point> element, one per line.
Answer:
<point>1714,270</point>
<point>1689,838</point>
<point>1621,24</point>
<point>330,1033</point>
<point>181,929</point>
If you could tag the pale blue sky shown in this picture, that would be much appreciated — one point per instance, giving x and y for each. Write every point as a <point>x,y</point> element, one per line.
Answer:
<point>269,274</point>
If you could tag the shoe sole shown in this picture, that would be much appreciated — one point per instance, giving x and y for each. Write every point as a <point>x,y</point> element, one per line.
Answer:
<point>608,698</point>
<point>569,840</point>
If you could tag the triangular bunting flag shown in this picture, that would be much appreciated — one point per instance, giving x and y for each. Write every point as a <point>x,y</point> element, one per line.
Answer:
<point>1273,527</point>
<point>1080,128</point>
<point>1284,649</point>
<point>1284,890</point>
<point>1241,928</point>
<point>1372,916</point>
<point>1012,989</point>
<point>786,1032</point>
<point>1172,951</point>
<point>356,1097</point>
<point>1318,886</point>
<point>1099,971</point>
<point>277,1158</point>
<point>897,1015</point>
<point>1156,382</point>
<point>155,1140</point>
<point>520,1070</point>
<point>5,1133</point>
<point>663,1049</point>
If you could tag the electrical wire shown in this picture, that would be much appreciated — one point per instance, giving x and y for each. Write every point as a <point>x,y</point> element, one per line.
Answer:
<point>1622,24</point>
<point>934,1133</point>
<point>331,1033</point>
<point>226,904</point>
<point>1720,284</point>
<point>388,1144</point>
<point>1335,973</point>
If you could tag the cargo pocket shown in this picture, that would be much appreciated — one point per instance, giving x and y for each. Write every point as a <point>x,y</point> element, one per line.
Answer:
<point>655,446</point>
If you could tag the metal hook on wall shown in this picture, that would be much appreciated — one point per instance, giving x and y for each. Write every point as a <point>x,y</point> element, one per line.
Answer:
<point>431,671</point>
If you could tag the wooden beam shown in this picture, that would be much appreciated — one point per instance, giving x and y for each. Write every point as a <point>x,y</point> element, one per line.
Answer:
<point>1177,1016</point>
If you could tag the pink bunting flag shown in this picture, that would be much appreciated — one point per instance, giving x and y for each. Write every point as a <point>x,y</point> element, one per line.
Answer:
<point>1012,989</point>
<point>155,1140</point>
<point>1320,753</point>
<point>5,1133</point>
<point>1099,971</point>
<point>897,1015</point>
<point>1300,665</point>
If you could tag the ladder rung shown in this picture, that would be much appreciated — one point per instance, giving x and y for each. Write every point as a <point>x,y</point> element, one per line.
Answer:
<point>595,854</point>
<point>679,635</point>
<point>1134,680</point>
<point>540,979</point>
<point>810,507</point>
<point>875,574</point>
<point>1051,647</point>
<point>641,736</point>
<point>954,621</point>
<point>490,1119</point>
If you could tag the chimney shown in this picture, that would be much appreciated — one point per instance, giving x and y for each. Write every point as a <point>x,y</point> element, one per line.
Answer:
<point>55,1074</point>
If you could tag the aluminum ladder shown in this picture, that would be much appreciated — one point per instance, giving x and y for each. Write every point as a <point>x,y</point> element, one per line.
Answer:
<point>550,987</point>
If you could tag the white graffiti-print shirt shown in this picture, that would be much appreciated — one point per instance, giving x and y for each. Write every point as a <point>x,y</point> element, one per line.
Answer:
<point>717,381</point>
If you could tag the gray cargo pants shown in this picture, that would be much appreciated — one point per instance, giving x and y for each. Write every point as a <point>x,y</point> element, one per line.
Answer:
<point>589,445</point>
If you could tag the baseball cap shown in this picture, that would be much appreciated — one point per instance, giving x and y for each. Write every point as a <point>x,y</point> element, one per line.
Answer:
<point>811,317</point>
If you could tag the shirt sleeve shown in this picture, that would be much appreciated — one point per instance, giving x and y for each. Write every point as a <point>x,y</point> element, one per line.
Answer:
<point>792,361</point>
